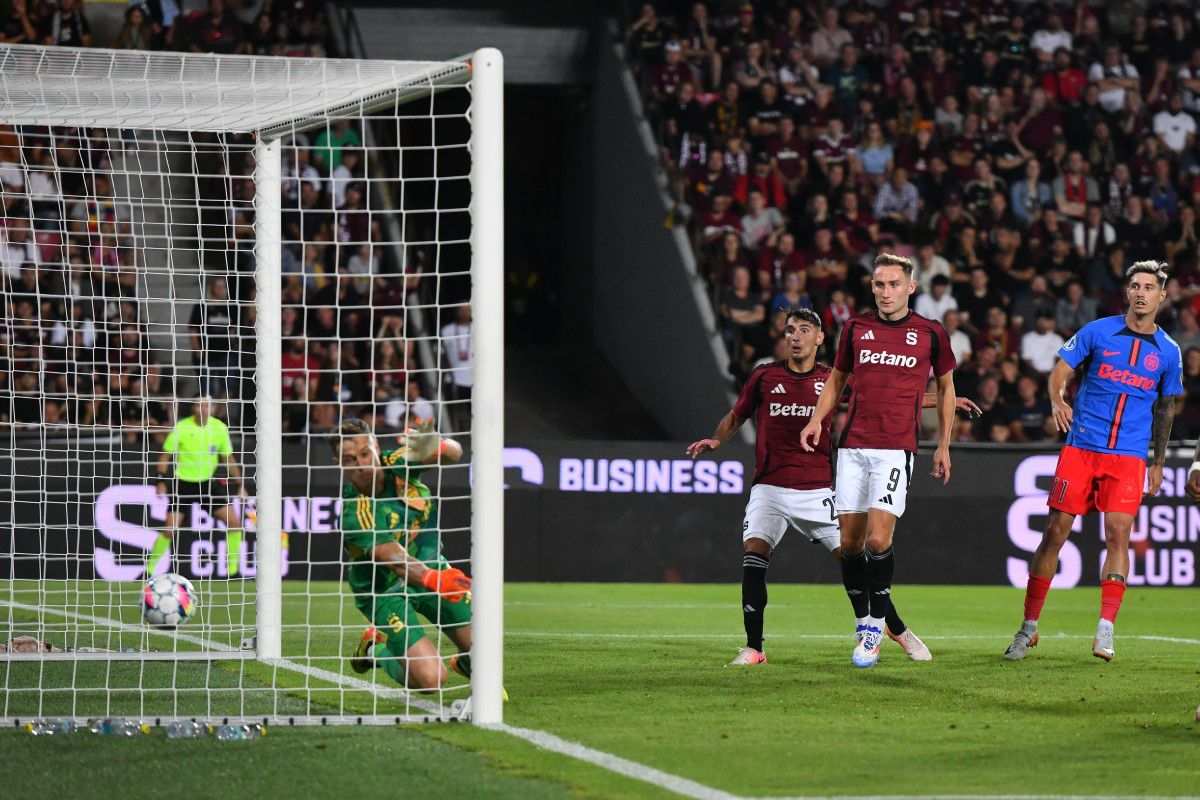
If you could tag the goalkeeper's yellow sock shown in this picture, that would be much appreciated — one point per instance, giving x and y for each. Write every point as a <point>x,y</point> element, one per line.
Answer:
<point>233,550</point>
<point>161,545</point>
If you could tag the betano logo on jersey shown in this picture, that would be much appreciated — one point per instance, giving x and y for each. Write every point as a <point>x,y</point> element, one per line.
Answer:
<point>1126,377</point>
<point>886,358</point>
<point>790,410</point>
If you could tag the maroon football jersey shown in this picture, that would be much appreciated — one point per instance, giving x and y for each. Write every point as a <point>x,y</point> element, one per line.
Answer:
<point>784,401</point>
<point>891,363</point>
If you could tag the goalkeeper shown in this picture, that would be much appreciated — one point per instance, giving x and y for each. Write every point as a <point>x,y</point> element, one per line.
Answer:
<point>200,443</point>
<point>396,568</point>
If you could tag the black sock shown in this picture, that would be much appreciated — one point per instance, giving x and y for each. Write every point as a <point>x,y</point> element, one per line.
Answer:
<point>880,567</point>
<point>754,596</point>
<point>894,623</point>
<point>854,578</point>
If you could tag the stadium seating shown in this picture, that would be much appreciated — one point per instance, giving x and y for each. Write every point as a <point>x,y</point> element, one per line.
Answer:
<point>1026,151</point>
<point>69,268</point>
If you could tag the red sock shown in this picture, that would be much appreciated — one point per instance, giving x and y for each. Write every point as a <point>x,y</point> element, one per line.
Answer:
<point>1111,594</point>
<point>1035,596</point>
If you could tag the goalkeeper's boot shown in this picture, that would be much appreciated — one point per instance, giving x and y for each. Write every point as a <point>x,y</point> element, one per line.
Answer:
<point>1023,642</point>
<point>361,660</point>
<point>748,656</point>
<point>866,652</point>
<point>1102,645</point>
<point>461,663</point>
<point>912,644</point>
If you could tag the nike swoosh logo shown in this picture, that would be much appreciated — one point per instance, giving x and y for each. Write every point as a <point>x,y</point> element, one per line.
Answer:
<point>1112,352</point>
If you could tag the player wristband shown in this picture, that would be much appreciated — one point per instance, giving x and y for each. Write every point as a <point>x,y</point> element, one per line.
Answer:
<point>1195,467</point>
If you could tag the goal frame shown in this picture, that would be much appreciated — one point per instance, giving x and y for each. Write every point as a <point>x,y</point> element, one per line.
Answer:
<point>485,74</point>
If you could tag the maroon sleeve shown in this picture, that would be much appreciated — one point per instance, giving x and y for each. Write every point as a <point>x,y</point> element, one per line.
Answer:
<point>747,402</point>
<point>942,357</point>
<point>843,361</point>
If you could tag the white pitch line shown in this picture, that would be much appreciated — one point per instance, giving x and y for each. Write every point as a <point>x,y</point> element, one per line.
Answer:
<point>621,766</point>
<point>314,672</point>
<point>698,791</point>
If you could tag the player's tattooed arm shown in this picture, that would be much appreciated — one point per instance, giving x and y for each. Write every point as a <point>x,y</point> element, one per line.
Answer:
<point>726,428</point>
<point>1160,434</point>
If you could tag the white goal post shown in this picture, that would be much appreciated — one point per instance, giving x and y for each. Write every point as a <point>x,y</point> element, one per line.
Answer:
<point>285,243</point>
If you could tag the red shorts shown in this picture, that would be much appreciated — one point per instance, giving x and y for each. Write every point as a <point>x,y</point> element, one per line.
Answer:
<point>1087,481</point>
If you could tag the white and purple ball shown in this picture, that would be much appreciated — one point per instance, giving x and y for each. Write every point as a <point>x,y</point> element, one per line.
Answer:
<point>168,601</point>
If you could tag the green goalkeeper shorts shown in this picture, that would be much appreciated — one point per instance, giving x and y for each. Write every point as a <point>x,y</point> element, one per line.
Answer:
<point>395,615</point>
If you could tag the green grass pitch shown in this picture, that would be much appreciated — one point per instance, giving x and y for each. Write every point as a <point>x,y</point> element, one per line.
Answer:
<point>637,671</point>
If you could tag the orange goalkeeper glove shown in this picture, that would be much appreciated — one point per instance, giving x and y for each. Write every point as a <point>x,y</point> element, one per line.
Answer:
<point>452,584</point>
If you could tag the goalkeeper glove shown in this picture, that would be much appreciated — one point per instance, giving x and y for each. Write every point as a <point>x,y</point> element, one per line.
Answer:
<point>422,441</point>
<point>451,584</point>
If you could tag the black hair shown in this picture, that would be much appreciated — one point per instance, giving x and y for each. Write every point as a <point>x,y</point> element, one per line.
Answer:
<point>804,315</point>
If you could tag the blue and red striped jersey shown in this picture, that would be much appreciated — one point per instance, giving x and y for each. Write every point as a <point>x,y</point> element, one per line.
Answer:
<point>1123,374</point>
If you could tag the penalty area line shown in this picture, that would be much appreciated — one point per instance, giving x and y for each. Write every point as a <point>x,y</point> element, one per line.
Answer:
<point>698,791</point>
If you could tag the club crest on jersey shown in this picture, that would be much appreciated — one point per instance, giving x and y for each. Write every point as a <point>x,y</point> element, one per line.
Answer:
<point>885,358</point>
<point>869,336</point>
<point>1150,362</point>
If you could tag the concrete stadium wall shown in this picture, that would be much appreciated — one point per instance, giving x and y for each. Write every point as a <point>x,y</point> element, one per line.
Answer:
<point>646,318</point>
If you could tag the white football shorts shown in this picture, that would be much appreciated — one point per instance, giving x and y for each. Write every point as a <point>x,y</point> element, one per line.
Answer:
<point>868,478</point>
<point>771,510</point>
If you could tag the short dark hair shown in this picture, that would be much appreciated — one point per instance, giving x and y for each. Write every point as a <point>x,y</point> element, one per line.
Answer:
<point>804,315</point>
<point>348,429</point>
<point>1155,268</point>
<point>893,260</point>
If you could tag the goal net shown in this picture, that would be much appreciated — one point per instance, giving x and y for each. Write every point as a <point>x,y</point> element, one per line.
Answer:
<point>211,265</point>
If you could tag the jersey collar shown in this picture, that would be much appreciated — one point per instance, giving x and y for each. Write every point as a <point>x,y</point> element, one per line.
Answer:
<point>900,321</point>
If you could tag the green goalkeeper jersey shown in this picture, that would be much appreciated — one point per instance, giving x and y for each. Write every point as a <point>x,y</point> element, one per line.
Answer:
<point>398,513</point>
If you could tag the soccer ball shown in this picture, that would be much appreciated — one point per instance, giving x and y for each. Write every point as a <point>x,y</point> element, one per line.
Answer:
<point>168,601</point>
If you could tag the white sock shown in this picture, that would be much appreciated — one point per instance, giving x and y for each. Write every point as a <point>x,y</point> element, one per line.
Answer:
<point>860,621</point>
<point>1105,624</point>
<point>876,622</point>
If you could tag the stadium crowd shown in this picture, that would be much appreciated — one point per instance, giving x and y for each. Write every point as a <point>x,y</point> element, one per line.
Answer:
<point>1023,153</point>
<point>77,347</point>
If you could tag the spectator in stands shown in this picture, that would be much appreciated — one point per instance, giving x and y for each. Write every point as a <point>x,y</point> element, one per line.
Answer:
<point>19,27</point>
<point>935,303</point>
<point>456,347</point>
<point>1029,413</point>
<point>67,26</point>
<point>960,343</point>
<point>1074,310</point>
<point>827,40</point>
<point>897,204</point>
<point>761,225</point>
<point>1176,129</point>
<point>743,312</point>
<point>777,262</point>
<point>792,294</point>
<point>138,32</point>
<point>331,142</point>
<point>1115,76</point>
<point>1039,347</point>
<point>214,323</point>
<point>216,31</point>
